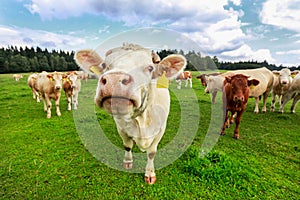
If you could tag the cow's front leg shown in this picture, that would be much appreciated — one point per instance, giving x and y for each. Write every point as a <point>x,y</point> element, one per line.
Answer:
<point>57,106</point>
<point>191,83</point>
<point>128,144</point>
<point>225,118</point>
<point>214,95</point>
<point>69,102</point>
<point>150,176</point>
<point>75,101</point>
<point>128,160</point>
<point>49,106</point>
<point>238,119</point>
<point>179,84</point>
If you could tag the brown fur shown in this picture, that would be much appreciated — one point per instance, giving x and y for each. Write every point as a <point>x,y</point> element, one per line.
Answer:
<point>235,98</point>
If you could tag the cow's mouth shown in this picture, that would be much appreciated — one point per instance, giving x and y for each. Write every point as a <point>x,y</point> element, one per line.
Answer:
<point>118,104</point>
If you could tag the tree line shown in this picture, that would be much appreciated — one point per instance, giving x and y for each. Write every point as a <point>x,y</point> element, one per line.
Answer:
<point>17,60</point>
<point>20,60</point>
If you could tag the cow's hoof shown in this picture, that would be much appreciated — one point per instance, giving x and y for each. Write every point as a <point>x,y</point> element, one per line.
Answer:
<point>150,180</point>
<point>236,137</point>
<point>222,134</point>
<point>128,165</point>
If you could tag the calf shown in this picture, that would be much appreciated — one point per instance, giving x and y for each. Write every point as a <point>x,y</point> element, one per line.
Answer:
<point>17,76</point>
<point>128,90</point>
<point>32,83</point>
<point>235,98</point>
<point>184,76</point>
<point>292,92</point>
<point>49,86</point>
<point>72,86</point>
<point>282,82</point>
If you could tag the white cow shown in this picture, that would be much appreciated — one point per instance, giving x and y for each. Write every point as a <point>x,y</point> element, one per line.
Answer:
<point>127,89</point>
<point>292,92</point>
<point>17,76</point>
<point>32,83</point>
<point>49,86</point>
<point>282,82</point>
<point>263,75</point>
<point>72,86</point>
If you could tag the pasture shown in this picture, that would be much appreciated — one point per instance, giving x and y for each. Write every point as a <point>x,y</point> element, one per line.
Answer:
<point>46,159</point>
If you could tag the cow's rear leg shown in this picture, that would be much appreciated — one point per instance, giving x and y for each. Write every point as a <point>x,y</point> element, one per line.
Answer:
<point>256,110</point>
<point>273,102</point>
<point>295,101</point>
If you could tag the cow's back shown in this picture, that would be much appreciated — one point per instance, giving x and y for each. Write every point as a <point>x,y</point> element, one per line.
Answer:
<point>263,75</point>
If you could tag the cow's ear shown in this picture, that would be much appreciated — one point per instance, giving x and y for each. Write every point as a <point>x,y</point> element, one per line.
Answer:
<point>227,79</point>
<point>294,73</point>
<point>89,61</point>
<point>172,65</point>
<point>276,73</point>
<point>253,82</point>
<point>50,77</point>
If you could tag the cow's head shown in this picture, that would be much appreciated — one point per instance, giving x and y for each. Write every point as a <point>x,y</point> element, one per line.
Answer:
<point>284,76</point>
<point>239,86</point>
<point>56,78</point>
<point>202,78</point>
<point>72,78</point>
<point>126,74</point>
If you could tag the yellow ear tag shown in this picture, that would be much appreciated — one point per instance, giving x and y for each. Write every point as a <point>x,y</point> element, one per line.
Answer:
<point>252,87</point>
<point>162,81</point>
<point>51,79</point>
<point>95,70</point>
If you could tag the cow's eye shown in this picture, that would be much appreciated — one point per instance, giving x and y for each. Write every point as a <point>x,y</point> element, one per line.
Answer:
<point>150,68</point>
<point>103,65</point>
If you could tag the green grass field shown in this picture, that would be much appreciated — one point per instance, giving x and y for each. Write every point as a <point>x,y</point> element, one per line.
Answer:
<point>46,159</point>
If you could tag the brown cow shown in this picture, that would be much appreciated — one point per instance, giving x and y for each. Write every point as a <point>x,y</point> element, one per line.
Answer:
<point>235,98</point>
<point>72,86</point>
<point>184,76</point>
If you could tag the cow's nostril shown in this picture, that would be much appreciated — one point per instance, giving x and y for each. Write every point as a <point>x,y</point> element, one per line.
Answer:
<point>103,81</point>
<point>125,81</point>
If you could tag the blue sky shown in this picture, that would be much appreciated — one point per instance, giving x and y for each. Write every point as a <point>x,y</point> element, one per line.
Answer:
<point>232,30</point>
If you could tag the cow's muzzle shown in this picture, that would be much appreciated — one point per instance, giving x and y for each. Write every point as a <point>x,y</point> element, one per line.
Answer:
<point>239,99</point>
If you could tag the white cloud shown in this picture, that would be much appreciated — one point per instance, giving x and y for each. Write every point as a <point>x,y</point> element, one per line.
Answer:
<point>105,29</point>
<point>283,14</point>
<point>22,37</point>
<point>246,53</point>
<point>294,52</point>
<point>58,9</point>
<point>216,30</point>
